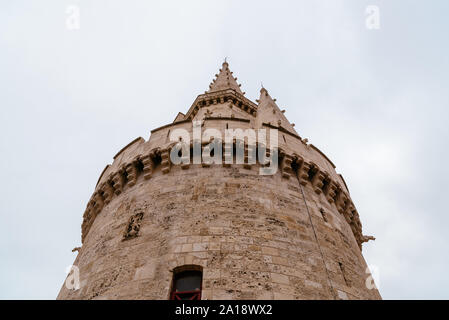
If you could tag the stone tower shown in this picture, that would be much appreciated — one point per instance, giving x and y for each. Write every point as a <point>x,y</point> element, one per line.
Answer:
<point>295,234</point>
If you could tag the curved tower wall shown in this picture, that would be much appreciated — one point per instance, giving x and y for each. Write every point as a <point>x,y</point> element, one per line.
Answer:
<point>292,235</point>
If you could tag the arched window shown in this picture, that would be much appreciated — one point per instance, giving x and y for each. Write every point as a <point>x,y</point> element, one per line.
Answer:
<point>187,283</point>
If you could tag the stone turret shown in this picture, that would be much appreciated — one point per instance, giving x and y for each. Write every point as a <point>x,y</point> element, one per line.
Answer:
<point>293,234</point>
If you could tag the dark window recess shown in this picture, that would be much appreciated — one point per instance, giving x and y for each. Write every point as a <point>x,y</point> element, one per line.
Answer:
<point>187,285</point>
<point>139,166</point>
<point>312,172</point>
<point>343,272</point>
<point>157,160</point>
<point>325,186</point>
<point>125,177</point>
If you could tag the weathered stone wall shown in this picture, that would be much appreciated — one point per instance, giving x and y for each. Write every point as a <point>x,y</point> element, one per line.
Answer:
<point>256,237</point>
<point>292,235</point>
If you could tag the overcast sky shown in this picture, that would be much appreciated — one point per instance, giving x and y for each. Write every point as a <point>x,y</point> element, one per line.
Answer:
<point>374,101</point>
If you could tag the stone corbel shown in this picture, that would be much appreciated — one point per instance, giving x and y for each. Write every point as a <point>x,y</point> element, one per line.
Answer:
<point>317,181</point>
<point>286,165</point>
<point>185,159</point>
<point>303,171</point>
<point>118,184</point>
<point>98,203</point>
<point>147,166</point>
<point>206,147</point>
<point>107,190</point>
<point>131,172</point>
<point>330,190</point>
<point>205,150</point>
<point>367,238</point>
<point>165,163</point>
<point>341,201</point>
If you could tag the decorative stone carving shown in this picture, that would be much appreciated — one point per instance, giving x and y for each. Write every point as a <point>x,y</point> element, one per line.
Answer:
<point>367,238</point>
<point>133,227</point>
<point>341,200</point>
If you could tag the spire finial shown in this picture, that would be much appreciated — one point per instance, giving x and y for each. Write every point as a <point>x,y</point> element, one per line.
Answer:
<point>262,89</point>
<point>224,79</point>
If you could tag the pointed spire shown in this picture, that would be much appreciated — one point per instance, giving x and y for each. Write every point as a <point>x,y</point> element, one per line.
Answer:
<point>224,80</point>
<point>269,112</point>
<point>265,96</point>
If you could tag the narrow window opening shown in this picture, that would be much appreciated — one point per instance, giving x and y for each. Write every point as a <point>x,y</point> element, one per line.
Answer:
<point>284,138</point>
<point>343,273</point>
<point>187,283</point>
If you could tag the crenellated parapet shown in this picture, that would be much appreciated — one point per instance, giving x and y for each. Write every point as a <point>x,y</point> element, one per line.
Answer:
<point>290,164</point>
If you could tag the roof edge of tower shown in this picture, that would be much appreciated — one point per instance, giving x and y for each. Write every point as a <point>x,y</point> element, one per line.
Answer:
<point>248,105</point>
<point>128,145</point>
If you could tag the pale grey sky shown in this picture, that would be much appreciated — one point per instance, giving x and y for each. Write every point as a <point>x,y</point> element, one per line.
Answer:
<point>375,101</point>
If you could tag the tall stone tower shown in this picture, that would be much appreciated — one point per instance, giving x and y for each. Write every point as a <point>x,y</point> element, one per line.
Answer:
<point>154,229</point>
